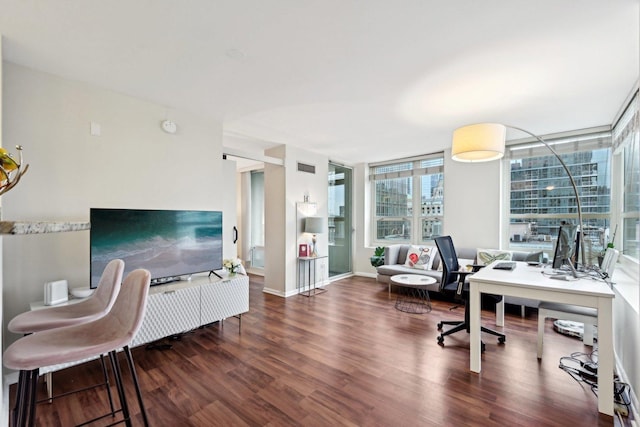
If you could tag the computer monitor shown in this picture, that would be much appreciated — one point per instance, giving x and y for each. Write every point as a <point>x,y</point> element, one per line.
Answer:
<point>566,251</point>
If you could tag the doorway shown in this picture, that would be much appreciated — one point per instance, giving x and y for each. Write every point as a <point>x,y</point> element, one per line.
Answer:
<point>339,220</point>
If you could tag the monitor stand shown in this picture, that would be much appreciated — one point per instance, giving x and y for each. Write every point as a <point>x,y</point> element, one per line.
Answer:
<point>572,270</point>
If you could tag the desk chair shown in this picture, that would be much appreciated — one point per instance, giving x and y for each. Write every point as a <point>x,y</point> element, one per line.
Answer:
<point>94,307</point>
<point>575,313</point>
<point>69,344</point>
<point>454,282</point>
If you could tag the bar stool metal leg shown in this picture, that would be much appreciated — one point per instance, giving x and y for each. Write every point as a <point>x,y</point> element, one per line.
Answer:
<point>117,373</point>
<point>33,389</point>
<point>20,397</point>
<point>134,375</point>
<point>107,384</point>
<point>24,412</point>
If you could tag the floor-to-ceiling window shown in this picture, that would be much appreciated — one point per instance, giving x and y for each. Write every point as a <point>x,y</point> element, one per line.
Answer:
<point>541,195</point>
<point>340,227</point>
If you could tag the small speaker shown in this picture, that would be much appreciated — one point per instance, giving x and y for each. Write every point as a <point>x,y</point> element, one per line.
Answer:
<point>55,292</point>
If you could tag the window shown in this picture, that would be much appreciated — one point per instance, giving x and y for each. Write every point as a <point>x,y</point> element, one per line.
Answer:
<point>257,218</point>
<point>626,139</point>
<point>541,195</point>
<point>408,199</point>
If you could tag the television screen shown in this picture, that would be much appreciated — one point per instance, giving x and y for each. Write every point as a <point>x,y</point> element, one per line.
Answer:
<point>565,245</point>
<point>168,243</point>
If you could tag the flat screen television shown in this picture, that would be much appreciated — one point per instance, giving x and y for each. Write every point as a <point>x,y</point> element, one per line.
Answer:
<point>168,243</point>
<point>566,246</point>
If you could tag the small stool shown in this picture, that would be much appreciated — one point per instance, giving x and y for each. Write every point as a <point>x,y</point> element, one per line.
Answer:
<point>68,344</point>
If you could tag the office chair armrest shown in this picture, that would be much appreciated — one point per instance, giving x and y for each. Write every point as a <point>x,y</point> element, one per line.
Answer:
<point>476,267</point>
<point>462,275</point>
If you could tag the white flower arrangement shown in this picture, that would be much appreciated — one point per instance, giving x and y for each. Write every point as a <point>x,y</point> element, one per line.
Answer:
<point>232,265</point>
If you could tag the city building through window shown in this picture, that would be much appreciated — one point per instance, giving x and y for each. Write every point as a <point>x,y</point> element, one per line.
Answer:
<point>541,195</point>
<point>408,198</point>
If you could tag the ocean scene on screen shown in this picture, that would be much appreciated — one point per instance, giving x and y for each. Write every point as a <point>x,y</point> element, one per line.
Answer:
<point>167,243</point>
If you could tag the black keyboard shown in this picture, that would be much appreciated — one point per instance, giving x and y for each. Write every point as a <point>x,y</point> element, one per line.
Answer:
<point>507,265</point>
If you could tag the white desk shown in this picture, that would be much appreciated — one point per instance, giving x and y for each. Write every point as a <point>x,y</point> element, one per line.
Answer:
<point>528,282</point>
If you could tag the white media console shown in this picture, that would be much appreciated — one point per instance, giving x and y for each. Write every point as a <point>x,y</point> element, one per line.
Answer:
<point>179,307</point>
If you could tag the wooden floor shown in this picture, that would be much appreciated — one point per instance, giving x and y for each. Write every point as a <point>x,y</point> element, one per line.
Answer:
<point>344,357</point>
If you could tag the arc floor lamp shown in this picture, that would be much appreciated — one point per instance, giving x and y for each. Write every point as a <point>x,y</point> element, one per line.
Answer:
<point>484,142</point>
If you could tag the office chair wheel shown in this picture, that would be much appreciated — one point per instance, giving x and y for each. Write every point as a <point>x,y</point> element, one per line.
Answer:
<point>440,328</point>
<point>501,340</point>
<point>441,340</point>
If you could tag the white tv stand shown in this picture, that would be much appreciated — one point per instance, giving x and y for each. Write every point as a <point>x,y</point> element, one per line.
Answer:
<point>182,306</point>
<point>178,307</point>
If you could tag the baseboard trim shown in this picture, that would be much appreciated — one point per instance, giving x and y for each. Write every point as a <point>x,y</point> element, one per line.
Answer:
<point>365,274</point>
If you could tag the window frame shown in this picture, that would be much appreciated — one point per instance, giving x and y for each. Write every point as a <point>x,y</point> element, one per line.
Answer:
<point>627,122</point>
<point>415,216</point>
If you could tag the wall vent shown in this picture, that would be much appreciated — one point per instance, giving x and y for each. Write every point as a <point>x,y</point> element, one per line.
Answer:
<point>306,168</point>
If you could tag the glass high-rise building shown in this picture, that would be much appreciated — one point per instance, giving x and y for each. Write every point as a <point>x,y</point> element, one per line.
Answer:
<point>542,196</point>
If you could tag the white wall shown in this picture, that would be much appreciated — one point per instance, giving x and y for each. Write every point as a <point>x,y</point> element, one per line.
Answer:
<point>4,400</point>
<point>133,164</point>
<point>626,334</point>
<point>229,198</point>
<point>363,248</point>
<point>284,187</point>
<point>472,200</point>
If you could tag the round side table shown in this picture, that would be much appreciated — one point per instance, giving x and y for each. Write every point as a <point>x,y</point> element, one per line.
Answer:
<point>413,292</point>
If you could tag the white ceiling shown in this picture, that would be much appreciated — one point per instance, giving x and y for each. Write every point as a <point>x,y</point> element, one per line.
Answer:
<point>357,80</point>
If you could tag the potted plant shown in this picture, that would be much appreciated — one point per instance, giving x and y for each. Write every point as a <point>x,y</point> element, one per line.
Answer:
<point>378,257</point>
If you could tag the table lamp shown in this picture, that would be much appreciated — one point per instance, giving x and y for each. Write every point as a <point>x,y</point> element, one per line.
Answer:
<point>314,225</point>
<point>483,142</point>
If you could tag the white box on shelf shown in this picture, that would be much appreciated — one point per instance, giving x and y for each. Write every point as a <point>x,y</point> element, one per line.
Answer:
<point>56,292</point>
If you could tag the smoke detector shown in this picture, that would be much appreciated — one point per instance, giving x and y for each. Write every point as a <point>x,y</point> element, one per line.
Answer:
<point>169,127</point>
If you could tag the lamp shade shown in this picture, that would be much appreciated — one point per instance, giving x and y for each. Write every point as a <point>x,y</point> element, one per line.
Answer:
<point>314,225</point>
<point>478,143</point>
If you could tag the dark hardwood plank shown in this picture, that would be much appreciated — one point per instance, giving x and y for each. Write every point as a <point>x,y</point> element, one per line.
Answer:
<point>344,357</point>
